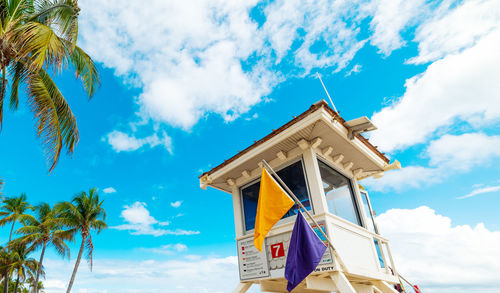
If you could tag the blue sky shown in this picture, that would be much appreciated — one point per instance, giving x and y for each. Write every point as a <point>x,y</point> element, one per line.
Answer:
<point>187,85</point>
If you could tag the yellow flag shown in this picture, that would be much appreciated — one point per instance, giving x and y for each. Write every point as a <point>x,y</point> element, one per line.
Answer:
<point>273,204</point>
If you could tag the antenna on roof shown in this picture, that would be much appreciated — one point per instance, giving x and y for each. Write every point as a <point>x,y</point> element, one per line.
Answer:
<point>326,91</point>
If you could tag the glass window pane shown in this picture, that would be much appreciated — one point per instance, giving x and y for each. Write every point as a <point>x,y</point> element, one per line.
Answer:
<point>369,220</point>
<point>379,253</point>
<point>293,176</point>
<point>338,192</point>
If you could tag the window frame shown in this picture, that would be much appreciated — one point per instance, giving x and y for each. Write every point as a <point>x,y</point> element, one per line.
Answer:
<point>277,169</point>
<point>370,217</point>
<point>354,194</point>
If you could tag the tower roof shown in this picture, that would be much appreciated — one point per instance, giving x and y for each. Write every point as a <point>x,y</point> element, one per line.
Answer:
<point>319,121</point>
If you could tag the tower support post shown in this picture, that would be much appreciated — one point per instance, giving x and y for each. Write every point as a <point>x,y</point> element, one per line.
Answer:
<point>242,287</point>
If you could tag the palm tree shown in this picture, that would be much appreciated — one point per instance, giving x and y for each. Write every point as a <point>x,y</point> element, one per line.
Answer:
<point>42,231</point>
<point>38,37</point>
<point>13,209</point>
<point>83,214</point>
<point>22,264</point>
<point>5,265</point>
<point>31,284</point>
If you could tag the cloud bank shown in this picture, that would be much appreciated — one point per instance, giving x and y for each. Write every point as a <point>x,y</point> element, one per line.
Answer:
<point>439,256</point>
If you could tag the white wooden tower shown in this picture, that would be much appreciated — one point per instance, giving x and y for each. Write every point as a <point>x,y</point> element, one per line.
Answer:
<point>321,157</point>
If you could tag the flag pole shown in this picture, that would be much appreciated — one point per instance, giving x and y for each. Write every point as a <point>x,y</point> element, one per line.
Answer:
<point>337,256</point>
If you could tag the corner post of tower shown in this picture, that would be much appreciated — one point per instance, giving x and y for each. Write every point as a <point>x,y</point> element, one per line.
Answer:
<point>242,287</point>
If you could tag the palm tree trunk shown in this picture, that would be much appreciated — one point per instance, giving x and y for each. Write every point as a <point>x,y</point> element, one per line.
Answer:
<point>17,282</point>
<point>6,284</point>
<point>76,265</point>
<point>7,276</point>
<point>11,229</point>
<point>39,267</point>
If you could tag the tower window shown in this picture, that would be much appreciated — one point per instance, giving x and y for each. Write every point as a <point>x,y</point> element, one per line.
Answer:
<point>294,177</point>
<point>339,194</point>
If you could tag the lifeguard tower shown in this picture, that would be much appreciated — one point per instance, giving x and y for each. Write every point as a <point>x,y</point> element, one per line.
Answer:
<point>321,158</point>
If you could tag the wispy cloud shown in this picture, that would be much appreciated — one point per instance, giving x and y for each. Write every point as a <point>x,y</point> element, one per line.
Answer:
<point>168,249</point>
<point>481,190</point>
<point>109,190</point>
<point>355,69</point>
<point>123,142</point>
<point>176,204</point>
<point>138,221</point>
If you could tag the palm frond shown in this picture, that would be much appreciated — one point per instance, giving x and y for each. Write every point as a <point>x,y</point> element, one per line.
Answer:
<point>18,73</point>
<point>16,9</point>
<point>61,247</point>
<point>61,15</point>
<point>27,219</point>
<point>98,225</point>
<point>29,230</point>
<point>3,86</point>
<point>85,70</point>
<point>40,46</point>
<point>89,246</point>
<point>65,234</point>
<point>56,123</point>
<point>3,13</point>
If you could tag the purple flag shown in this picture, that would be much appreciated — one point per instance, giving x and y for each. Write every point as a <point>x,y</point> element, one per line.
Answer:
<point>304,253</point>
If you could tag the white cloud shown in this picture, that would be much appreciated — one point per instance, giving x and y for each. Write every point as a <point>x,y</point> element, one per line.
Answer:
<point>439,256</point>
<point>176,204</point>
<point>390,18</point>
<point>213,275</point>
<point>355,69</point>
<point>448,155</point>
<point>329,23</point>
<point>477,191</point>
<point>451,29</point>
<point>254,116</point>
<point>123,142</point>
<point>464,151</point>
<point>109,190</point>
<point>137,213</point>
<point>168,249</point>
<point>211,56</point>
<point>407,177</point>
<point>139,221</point>
<point>461,87</point>
<point>53,284</point>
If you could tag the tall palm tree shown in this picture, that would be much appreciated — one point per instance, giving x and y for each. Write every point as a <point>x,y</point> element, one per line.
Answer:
<point>12,210</point>
<point>5,268</point>
<point>83,214</point>
<point>38,37</point>
<point>44,230</point>
<point>31,284</point>
<point>23,265</point>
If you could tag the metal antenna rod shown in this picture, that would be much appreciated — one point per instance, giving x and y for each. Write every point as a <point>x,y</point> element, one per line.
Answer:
<point>331,102</point>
